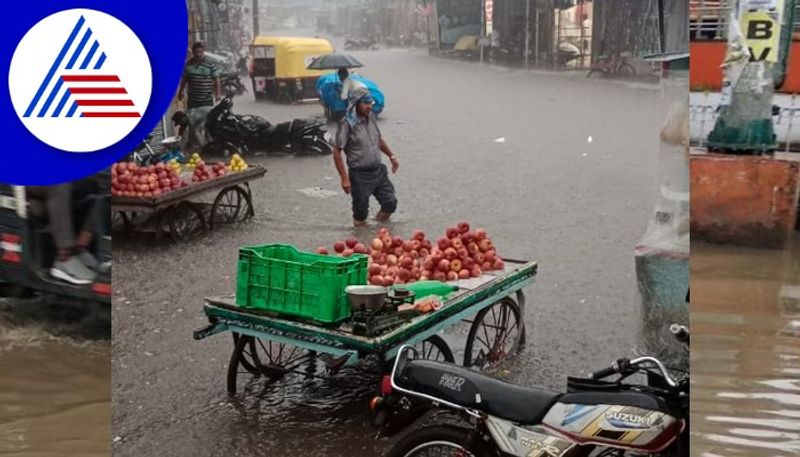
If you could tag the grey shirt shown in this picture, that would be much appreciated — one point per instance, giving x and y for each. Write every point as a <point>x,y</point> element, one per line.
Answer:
<point>360,143</point>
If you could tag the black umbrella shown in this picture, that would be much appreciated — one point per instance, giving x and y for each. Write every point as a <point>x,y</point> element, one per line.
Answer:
<point>334,61</point>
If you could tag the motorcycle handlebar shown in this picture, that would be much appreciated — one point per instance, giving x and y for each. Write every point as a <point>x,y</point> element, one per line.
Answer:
<point>613,369</point>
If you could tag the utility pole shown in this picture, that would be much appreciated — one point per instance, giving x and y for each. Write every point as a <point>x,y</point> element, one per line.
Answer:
<point>255,11</point>
<point>527,30</point>
<point>756,64</point>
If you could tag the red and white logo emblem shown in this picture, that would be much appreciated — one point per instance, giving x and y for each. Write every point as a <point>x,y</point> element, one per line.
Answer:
<point>80,80</point>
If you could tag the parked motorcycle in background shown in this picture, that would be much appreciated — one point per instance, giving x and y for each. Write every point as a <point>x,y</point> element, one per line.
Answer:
<point>230,133</point>
<point>361,44</point>
<point>596,417</point>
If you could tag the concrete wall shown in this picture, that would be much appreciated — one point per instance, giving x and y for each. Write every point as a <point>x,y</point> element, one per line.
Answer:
<point>744,200</point>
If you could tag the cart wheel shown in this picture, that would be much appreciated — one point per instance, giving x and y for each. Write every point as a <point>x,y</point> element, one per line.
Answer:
<point>435,348</point>
<point>118,219</point>
<point>626,70</point>
<point>228,207</point>
<point>185,221</point>
<point>264,358</point>
<point>497,332</point>
<point>596,73</point>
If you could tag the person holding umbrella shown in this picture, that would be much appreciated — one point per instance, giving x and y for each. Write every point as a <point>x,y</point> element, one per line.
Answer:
<point>360,138</point>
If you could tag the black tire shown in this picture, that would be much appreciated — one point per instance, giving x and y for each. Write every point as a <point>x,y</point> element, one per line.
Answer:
<point>504,341</point>
<point>594,73</point>
<point>186,221</point>
<point>447,440</point>
<point>229,206</point>
<point>626,70</point>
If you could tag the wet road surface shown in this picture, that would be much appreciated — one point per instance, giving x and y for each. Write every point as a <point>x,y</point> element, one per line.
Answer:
<point>745,351</point>
<point>55,395</point>
<point>545,193</point>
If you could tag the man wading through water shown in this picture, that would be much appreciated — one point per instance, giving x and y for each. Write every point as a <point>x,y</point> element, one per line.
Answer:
<point>204,87</point>
<point>366,175</point>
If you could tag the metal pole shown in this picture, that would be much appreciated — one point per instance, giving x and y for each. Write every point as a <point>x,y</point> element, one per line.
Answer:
<point>255,18</point>
<point>527,30</point>
<point>538,18</point>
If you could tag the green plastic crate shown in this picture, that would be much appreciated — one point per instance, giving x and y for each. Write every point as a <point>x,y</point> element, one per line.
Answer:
<point>280,279</point>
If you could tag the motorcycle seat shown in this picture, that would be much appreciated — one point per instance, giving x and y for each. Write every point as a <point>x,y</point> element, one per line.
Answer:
<point>472,389</point>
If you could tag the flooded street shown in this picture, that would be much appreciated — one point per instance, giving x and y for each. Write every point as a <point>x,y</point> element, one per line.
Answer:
<point>558,169</point>
<point>745,351</point>
<point>55,399</point>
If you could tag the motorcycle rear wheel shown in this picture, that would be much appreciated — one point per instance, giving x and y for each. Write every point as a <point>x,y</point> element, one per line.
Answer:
<point>439,441</point>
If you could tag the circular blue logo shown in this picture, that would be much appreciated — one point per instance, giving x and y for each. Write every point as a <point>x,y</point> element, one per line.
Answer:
<point>87,81</point>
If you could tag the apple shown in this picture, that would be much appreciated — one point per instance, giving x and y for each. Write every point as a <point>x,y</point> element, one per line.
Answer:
<point>359,248</point>
<point>351,242</point>
<point>443,265</point>
<point>473,248</point>
<point>475,272</point>
<point>468,237</point>
<point>339,247</point>
<point>439,276</point>
<point>406,262</point>
<point>463,274</point>
<point>452,276</point>
<point>486,266</point>
<point>408,246</point>
<point>383,232</point>
<point>424,252</point>
<point>489,256</point>
<point>456,243</point>
<point>456,265</point>
<point>391,259</point>
<point>426,244</point>
<point>452,232</point>
<point>498,264</point>
<point>377,244</point>
<point>404,275</point>
<point>485,245</point>
<point>322,250</point>
<point>416,245</point>
<point>463,227</point>
<point>469,264</point>
<point>480,234</point>
<point>397,241</point>
<point>418,235</point>
<point>450,253</point>
<point>347,253</point>
<point>443,243</point>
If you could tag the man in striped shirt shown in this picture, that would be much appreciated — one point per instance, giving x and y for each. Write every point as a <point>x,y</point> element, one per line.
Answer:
<point>201,78</point>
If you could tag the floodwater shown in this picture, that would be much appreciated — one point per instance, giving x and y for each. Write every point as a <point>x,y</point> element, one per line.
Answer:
<point>55,377</point>
<point>559,169</point>
<point>745,351</point>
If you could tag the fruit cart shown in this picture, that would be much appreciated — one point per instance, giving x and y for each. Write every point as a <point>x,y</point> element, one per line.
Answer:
<point>183,213</point>
<point>267,347</point>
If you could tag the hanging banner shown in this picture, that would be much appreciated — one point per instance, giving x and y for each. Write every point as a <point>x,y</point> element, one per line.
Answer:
<point>488,7</point>
<point>761,27</point>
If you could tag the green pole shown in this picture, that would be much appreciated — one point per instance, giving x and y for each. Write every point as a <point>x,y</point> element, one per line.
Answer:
<point>744,125</point>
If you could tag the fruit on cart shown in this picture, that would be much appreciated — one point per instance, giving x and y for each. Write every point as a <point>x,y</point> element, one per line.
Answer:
<point>130,180</point>
<point>322,250</point>
<point>237,163</point>
<point>191,164</point>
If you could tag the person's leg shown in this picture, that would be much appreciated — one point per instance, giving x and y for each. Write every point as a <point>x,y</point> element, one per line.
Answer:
<point>192,138</point>
<point>360,191</point>
<point>67,266</point>
<point>385,194</point>
<point>202,114</point>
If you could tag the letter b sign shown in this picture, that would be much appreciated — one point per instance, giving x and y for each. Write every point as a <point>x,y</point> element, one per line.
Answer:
<point>759,30</point>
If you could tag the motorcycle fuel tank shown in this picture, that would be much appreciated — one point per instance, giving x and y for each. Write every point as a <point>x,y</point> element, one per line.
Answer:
<point>614,425</point>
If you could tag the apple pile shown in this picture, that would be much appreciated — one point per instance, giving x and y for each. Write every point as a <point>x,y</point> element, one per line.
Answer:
<point>131,180</point>
<point>203,173</point>
<point>460,254</point>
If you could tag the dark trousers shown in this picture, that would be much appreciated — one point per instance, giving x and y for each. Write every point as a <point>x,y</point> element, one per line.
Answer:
<point>366,183</point>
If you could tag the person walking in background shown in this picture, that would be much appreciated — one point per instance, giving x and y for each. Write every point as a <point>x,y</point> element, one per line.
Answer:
<point>360,138</point>
<point>203,87</point>
<point>349,84</point>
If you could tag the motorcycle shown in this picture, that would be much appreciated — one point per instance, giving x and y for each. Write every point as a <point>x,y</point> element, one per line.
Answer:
<point>232,84</point>
<point>595,417</point>
<point>355,44</point>
<point>230,133</point>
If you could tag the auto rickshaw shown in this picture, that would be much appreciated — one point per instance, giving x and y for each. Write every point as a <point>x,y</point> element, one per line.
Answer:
<point>278,67</point>
<point>27,248</point>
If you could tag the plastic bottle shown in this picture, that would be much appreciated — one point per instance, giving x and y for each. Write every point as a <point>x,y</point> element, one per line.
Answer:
<point>426,288</point>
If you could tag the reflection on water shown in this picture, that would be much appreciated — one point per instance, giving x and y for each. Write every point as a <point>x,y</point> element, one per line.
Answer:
<point>55,394</point>
<point>745,355</point>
